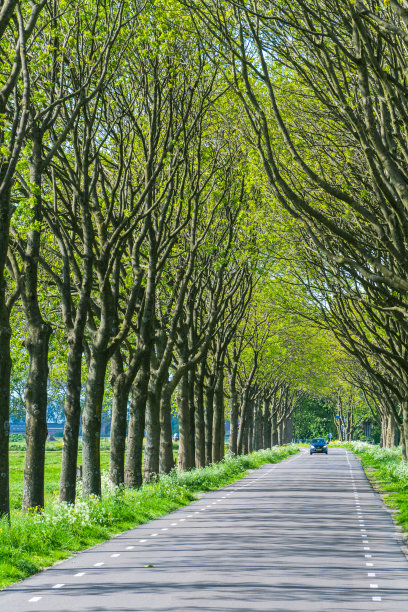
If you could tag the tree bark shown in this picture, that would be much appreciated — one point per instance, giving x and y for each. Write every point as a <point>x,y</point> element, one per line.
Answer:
<point>36,416</point>
<point>257,427</point>
<point>151,466</point>
<point>5,356</point>
<point>5,371</point>
<point>218,417</point>
<point>166,460</point>
<point>191,411</point>
<point>267,443</point>
<point>274,432</point>
<point>404,429</point>
<point>185,458</point>
<point>208,417</point>
<point>72,412</point>
<point>91,424</point>
<point>289,429</point>
<point>199,416</point>
<point>233,410</point>
<point>137,408</point>
<point>121,390</point>
<point>251,427</point>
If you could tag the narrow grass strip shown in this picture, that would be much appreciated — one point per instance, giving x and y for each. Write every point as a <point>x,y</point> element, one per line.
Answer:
<point>36,540</point>
<point>388,472</point>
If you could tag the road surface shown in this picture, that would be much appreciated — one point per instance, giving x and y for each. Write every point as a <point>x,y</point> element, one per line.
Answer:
<point>302,535</point>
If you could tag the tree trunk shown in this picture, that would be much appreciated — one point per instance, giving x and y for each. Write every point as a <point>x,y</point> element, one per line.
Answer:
<point>185,458</point>
<point>389,431</point>
<point>199,417</point>
<point>404,430</point>
<point>5,370</point>
<point>274,432</point>
<point>218,417</point>
<point>91,424</point>
<point>289,429</point>
<point>233,411</point>
<point>191,411</point>
<point>72,412</point>
<point>121,389</point>
<point>267,443</point>
<point>208,418</point>
<point>36,415</point>
<point>37,343</point>
<point>166,460</point>
<point>242,444</point>
<point>281,433</point>
<point>257,427</point>
<point>151,464</point>
<point>5,356</point>
<point>250,427</point>
<point>245,441</point>
<point>137,409</point>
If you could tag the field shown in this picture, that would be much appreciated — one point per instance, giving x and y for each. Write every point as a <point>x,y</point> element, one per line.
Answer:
<point>52,468</point>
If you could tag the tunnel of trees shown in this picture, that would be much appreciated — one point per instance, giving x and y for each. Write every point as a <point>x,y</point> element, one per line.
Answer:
<point>202,208</point>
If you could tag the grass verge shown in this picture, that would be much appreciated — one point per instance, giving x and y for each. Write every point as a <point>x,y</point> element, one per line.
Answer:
<point>35,540</point>
<point>388,473</point>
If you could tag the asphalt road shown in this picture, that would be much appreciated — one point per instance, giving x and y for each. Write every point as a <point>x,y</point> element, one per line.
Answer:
<point>306,534</point>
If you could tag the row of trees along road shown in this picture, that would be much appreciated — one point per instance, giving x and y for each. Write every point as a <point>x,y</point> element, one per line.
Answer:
<point>323,86</point>
<point>148,155</point>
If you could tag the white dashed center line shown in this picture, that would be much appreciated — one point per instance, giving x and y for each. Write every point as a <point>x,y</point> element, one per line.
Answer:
<point>153,535</point>
<point>115,555</point>
<point>130,547</point>
<point>79,574</point>
<point>58,586</point>
<point>165,528</point>
<point>35,599</point>
<point>373,586</point>
<point>99,564</point>
<point>141,541</point>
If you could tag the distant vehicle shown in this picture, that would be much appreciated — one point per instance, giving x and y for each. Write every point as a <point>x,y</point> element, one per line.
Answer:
<point>318,445</point>
<point>176,437</point>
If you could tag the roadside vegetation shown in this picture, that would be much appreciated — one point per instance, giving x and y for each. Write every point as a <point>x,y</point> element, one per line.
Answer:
<point>388,472</point>
<point>37,539</point>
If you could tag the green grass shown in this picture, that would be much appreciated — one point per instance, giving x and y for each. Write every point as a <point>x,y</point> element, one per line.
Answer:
<point>52,468</point>
<point>389,472</point>
<point>36,540</point>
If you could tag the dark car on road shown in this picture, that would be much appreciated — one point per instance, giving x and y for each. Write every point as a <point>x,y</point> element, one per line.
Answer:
<point>318,445</point>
